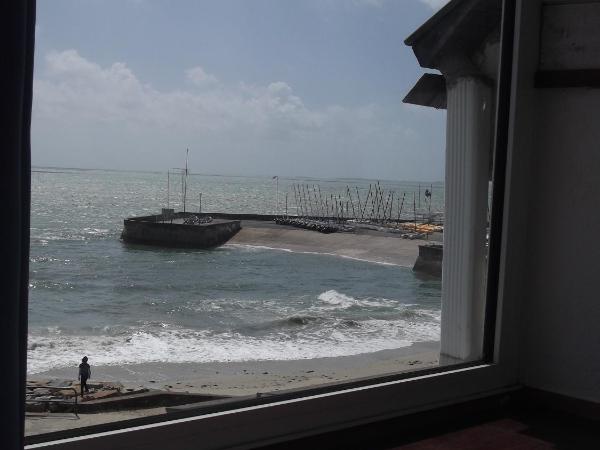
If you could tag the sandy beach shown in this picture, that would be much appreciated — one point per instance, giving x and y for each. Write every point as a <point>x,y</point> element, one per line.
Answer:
<point>367,245</point>
<point>234,379</point>
<point>250,377</point>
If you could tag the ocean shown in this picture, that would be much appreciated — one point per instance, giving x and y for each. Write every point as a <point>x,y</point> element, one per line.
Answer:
<point>122,304</point>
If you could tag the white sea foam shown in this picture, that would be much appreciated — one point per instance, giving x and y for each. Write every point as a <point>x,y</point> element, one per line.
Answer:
<point>96,231</point>
<point>42,259</point>
<point>327,329</point>
<point>166,343</point>
<point>336,300</point>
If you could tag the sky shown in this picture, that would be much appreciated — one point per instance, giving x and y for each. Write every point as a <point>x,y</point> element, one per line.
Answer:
<point>251,87</point>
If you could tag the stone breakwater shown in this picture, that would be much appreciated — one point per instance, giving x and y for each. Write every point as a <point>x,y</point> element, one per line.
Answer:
<point>430,260</point>
<point>177,231</point>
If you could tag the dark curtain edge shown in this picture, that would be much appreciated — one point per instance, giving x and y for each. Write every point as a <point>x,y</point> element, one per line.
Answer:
<point>17,37</point>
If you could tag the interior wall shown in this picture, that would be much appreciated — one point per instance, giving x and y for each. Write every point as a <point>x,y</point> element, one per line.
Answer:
<point>562,312</point>
<point>560,306</point>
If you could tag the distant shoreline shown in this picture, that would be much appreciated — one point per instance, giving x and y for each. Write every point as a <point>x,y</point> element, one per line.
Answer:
<point>36,168</point>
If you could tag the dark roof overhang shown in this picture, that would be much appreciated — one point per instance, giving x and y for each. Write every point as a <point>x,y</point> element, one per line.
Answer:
<point>430,90</point>
<point>459,28</point>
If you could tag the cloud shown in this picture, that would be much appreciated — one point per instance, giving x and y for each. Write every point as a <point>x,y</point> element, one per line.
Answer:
<point>435,4</point>
<point>86,115</point>
<point>199,77</point>
<point>76,88</point>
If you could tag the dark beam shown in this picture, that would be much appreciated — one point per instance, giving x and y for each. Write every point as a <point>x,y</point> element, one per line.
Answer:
<point>567,78</point>
<point>430,91</point>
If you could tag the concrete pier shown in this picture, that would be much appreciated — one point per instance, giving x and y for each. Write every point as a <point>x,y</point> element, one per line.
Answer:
<point>429,260</point>
<point>173,232</point>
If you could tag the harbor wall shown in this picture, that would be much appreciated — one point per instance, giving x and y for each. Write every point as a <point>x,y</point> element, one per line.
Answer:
<point>244,216</point>
<point>214,215</point>
<point>150,230</point>
<point>429,260</point>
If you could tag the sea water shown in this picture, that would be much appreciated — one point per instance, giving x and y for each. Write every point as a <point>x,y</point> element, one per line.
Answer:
<point>92,294</point>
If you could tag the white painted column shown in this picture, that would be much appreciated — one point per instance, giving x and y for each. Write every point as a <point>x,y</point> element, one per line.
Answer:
<point>468,144</point>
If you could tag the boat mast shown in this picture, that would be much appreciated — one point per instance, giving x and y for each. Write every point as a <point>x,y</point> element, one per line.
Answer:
<point>187,151</point>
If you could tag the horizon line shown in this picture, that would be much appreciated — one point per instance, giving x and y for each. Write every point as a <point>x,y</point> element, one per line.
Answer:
<point>289,177</point>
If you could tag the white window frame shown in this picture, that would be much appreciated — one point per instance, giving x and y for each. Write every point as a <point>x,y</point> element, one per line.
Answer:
<point>314,414</point>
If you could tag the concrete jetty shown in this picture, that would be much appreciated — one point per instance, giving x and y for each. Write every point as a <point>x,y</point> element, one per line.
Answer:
<point>429,260</point>
<point>180,229</point>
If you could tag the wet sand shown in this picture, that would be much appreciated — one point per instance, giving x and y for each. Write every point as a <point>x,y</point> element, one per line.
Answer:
<point>372,246</point>
<point>250,377</point>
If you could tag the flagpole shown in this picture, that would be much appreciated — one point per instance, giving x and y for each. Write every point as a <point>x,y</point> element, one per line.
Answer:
<point>187,151</point>
<point>276,178</point>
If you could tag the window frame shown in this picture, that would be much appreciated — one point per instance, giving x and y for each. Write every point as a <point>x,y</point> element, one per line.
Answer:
<point>337,406</point>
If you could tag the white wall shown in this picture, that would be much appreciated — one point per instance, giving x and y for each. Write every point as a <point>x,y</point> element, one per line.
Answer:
<point>559,348</point>
<point>561,313</point>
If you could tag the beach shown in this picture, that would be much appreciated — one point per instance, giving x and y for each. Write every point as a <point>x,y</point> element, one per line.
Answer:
<point>364,245</point>
<point>242,378</point>
<point>245,378</point>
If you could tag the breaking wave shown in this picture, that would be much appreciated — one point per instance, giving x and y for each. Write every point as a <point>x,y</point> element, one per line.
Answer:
<point>334,299</point>
<point>167,343</point>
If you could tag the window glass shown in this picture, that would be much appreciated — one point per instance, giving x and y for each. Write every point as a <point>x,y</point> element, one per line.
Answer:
<point>232,199</point>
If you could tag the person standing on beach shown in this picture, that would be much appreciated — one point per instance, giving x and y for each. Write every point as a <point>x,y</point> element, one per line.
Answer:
<point>85,373</point>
